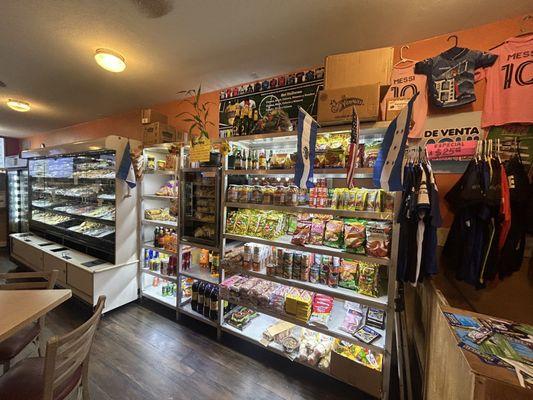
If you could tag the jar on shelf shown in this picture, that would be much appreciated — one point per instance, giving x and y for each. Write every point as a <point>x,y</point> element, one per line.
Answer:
<point>257,194</point>
<point>291,196</point>
<point>245,194</point>
<point>268,195</point>
<point>233,194</point>
<point>302,197</point>
<point>279,195</point>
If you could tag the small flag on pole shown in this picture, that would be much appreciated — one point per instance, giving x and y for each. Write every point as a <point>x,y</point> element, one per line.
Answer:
<point>125,170</point>
<point>307,129</point>
<point>388,168</point>
<point>353,152</point>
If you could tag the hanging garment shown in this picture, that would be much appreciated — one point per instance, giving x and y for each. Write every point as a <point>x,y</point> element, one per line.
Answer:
<point>505,209</point>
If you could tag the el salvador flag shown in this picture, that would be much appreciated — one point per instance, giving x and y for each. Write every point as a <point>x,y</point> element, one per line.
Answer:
<point>307,129</point>
<point>388,168</point>
<point>125,170</point>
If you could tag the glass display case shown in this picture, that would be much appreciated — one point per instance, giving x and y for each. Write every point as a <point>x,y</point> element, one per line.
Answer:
<point>17,198</point>
<point>200,207</point>
<point>72,201</point>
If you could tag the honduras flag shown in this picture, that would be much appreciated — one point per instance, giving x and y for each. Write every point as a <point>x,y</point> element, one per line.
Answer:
<point>388,168</point>
<point>125,170</point>
<point>307,129</point>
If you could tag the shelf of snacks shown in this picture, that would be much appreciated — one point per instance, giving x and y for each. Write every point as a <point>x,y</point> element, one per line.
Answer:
<point>159,172</point>
<point>150,246</point>
<point>157,197</point>
<point>285,242</point>
<point>200,273</point>
<point>100,214</point>
<point>320,313</point>
<point>272,333</point>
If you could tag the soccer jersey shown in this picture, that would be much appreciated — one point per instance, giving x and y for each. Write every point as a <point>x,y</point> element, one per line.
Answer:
<point>405,83</point>
<point>451,75</point>
<point>509,91</point>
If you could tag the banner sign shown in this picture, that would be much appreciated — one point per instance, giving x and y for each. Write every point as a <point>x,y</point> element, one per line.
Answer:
<point>450,150</point>
<point>453,128</point>
<point>285,92</point>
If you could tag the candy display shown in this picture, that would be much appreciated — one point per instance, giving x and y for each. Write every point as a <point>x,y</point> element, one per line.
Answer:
<point>265,224</point>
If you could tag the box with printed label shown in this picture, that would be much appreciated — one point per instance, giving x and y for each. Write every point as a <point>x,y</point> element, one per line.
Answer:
<point>335,106</point>
<point>158,133</point>
<point>149,116</point>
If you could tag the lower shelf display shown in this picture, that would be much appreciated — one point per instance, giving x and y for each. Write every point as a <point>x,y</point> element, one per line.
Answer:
<point>159,290</point>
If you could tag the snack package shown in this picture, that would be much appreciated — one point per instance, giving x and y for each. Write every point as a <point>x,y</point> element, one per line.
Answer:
<point>352,321</point>
<point>301,233</point>
<point>333,233</point>
<point>378,237</point>
<point>317,231</point>
<point>368,279</point>
<point>373,200</point>
<point>388,202</point>
<point>230,222</point>
<point>292,223</point>
<point>348,277</point>
<point>255,224</point>
<point>322,306</point>
<point>371,154</point>
<point>360,199</point>
<point>354,235</point>
<point>241,223</point>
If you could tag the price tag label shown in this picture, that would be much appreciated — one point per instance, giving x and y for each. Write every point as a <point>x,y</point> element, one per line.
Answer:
<point>450,150</point>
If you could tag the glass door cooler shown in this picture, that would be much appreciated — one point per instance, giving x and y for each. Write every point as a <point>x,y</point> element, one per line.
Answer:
<point>17,194</point>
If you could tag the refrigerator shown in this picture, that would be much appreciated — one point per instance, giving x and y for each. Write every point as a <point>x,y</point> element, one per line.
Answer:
<point>17,194</point>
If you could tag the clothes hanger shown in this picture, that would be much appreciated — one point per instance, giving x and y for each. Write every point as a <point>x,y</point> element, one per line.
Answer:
<point>456,40</point>
<point>402,58</point>
<point>524,31</point>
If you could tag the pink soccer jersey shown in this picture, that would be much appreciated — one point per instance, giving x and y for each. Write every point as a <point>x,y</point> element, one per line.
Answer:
<point>405,83</point>
<point>509,92</point>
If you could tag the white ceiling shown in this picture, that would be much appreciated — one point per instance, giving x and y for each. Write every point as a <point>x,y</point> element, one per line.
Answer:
<point>46,47</point>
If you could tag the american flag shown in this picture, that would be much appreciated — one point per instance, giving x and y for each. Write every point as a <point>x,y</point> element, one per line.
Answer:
<point>353,150</point>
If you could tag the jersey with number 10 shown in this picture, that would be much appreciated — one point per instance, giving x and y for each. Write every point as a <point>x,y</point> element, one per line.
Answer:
<point>509,92</point>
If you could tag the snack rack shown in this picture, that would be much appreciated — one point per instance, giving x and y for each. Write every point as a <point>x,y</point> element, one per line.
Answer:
<point>285,141</point>
<point>151,281</point>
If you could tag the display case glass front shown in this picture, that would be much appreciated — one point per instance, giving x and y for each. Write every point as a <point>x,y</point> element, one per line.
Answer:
<point>73,201</point>
<point>17,187</point>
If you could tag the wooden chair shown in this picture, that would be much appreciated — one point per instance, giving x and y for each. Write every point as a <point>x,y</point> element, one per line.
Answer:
<point>14,344</point>
<point>64,369</point>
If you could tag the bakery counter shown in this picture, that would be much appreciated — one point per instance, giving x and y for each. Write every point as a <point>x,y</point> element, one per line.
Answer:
<point>87,276</point>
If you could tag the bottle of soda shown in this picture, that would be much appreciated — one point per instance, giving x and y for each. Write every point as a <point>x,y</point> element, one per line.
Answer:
<point>213,307</point>
<point>201,292</point>
<point>156,236</point>
<point>194,295</point>
<point>207,299</point>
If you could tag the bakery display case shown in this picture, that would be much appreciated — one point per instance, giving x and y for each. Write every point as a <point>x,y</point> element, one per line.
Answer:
<point>83,219</point>
<point>72,201</point>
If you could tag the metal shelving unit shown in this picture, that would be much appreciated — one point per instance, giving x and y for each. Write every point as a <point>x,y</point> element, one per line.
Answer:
<point>285,140</point>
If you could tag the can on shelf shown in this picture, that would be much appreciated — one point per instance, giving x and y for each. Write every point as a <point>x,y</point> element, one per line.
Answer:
<point>314,274</point>
<point>333,279</point>
<point>270,269</point>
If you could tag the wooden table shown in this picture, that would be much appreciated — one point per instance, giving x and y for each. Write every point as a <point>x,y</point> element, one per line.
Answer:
<point>18,308</point>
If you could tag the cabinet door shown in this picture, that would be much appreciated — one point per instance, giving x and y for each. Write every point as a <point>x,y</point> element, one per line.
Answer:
<point>28,254</point>
<point>80,279</point>
<point>50,262</point>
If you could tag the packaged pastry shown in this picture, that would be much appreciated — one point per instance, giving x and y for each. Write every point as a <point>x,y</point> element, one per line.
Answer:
<point>373,200</point>
<point>333,233</point>
<point>317,231</point>
<point>354,236</point>
<point>301,234</point>
<point>388,201</point>
<point>241,223</point>
<point>378,235</point>
<point>322,306</point>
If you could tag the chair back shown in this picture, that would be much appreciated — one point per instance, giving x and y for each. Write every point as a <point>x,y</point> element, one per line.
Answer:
<point>25,280</point>
<point>67,354</point>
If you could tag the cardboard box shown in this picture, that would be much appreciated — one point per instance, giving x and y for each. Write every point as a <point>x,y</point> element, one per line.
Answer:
<point>359,68</point>
<point>149,116</point>
<point>335,106</point>
<point>157,132</point>
<point>366,379</point>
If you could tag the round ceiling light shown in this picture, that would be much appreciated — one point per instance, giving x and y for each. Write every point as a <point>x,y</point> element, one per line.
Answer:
<point>18,105</point>
<point>110,60</point>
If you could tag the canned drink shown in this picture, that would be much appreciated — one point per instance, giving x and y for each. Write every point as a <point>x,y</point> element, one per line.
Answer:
<point>296,272</point>
<point>324,272</point>
<point>246,265</point>
<point>304,273</point>
<point>279,254</point>
<point>297,259</point>
<point>306,260</point>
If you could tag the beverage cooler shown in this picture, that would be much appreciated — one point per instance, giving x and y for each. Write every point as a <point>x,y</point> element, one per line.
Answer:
<point>17,194</point>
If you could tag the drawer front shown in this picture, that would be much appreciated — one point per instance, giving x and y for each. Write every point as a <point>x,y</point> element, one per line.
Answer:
<point>50,262</point>
<point>80,279</point>
<point>30,255</point>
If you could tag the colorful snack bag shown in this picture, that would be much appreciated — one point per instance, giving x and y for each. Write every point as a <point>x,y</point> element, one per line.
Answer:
<point>373,200</point>
<point>301,233</point>
<point>388,202</point>
<point>368,283</point>
<point>317,231</point>
<point>348,277</point>
<point>360,199</point>
<point>241,223</point>
<point>378,236</point>
<point>333,233</point>
<point>354,236</point>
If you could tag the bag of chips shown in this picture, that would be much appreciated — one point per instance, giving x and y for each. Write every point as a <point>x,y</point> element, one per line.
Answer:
<point>368,279</point>
<point>354,236</point>
<point>373,200</point>
<point>301,233</point>
<point>378,236</point>
<point>348,276</point>
<point>360,199</point>
<point>241,223</point>
<point>388,202</point>
<point>317,231</point>
<point>333,233</point>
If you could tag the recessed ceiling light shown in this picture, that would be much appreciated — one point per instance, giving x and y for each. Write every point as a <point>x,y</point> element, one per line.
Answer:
<point>110,60</point>
<point>18,105</point>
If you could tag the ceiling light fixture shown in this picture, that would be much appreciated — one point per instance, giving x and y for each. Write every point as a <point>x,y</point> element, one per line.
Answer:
<point>18,105</point>
<point>110,60</point>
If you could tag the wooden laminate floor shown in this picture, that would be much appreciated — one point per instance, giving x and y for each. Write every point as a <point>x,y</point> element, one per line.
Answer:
<point>140,352</point>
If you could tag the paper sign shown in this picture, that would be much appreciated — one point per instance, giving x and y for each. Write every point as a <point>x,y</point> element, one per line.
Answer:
<point>460,127</point>
<point>448,150</point>
<point>200,148</point>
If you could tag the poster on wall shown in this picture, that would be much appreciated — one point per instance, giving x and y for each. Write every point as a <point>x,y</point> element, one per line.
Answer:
<point>200,148</point>
<point>269,105</point>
